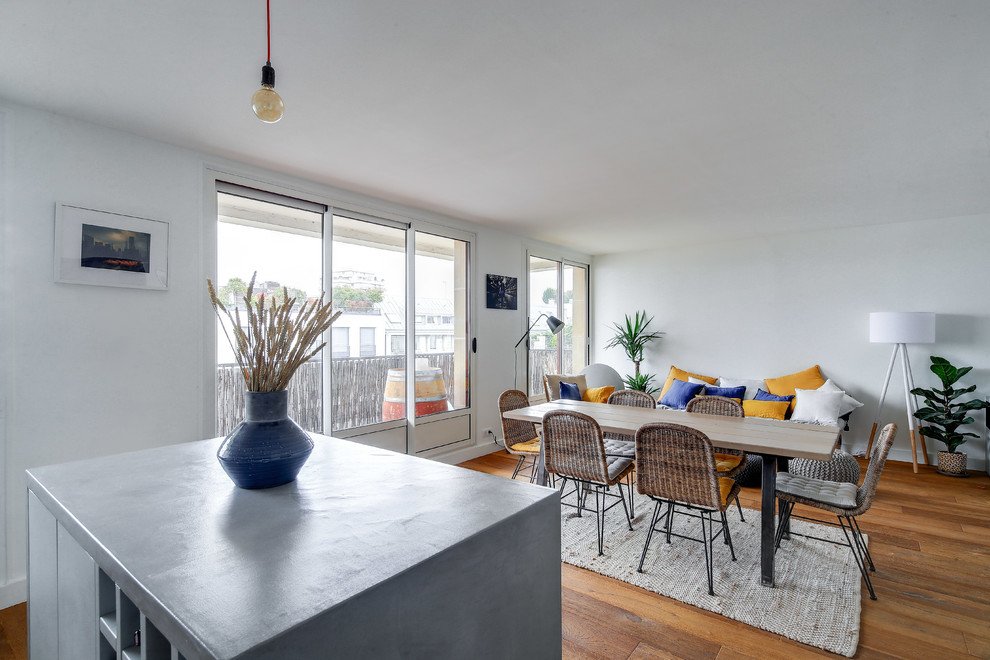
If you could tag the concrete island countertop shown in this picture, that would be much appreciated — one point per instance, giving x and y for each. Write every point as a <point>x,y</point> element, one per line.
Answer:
<point>365,548</point>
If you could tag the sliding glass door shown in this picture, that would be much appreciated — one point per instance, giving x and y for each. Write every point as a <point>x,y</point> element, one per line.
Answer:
<point>369,288</point>
<point>557,288</point>
<point>279,241</point>
<point>396,369</point>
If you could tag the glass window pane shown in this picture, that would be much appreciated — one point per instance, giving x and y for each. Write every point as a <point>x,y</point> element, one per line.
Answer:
<point>285,246</point>
<point>442,357</point>
<point>368,342</point>
<point>543,356</point>
<point>369,287</point>
<point>574,336</point>
<point>341,342</point>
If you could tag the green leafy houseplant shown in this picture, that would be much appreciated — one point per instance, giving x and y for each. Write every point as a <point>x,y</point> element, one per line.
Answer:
<point>942,414</point>
<point>633,337</point>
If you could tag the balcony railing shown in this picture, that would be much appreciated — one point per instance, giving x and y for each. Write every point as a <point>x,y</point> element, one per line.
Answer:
<point>543,361</point>
<point>355,398</point>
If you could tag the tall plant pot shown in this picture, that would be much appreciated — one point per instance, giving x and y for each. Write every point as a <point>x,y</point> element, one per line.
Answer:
<point>952,463</point>
<point>267,449</point>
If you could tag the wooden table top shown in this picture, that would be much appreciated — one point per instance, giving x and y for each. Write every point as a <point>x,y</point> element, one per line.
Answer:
<point>751,434</point>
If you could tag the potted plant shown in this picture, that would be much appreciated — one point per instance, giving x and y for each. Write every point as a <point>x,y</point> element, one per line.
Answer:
<point>944,415</point>
<point>268,449</point>
<point>633,337</point>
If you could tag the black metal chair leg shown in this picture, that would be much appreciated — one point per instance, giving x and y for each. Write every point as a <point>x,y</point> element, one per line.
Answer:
<point>785,516</point>
<point>728,537</point>
<point>866,549</point>
<point>649,534</point>
<point>600,518</point>
<point>632,504</point>
<point>670,518</point>
<point>519,465</point>
<point>739,506</point>
<point>623,498</point>
<point>708,556</point>
<point>860,563</point>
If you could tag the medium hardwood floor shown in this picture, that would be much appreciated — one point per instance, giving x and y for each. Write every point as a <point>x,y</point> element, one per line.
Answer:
<point>930,539</point>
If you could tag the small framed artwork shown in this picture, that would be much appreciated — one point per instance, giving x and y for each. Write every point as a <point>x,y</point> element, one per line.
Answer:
<point>502,292</point>
<point>110,249</point>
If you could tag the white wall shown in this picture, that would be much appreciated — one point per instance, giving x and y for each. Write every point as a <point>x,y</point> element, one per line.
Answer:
<point>772,305</point>
<point>97,370</point>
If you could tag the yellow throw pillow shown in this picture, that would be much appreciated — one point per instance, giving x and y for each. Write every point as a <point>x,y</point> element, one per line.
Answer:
<point>809,379</point>
<point>597,394</point>
<point>680,374</point>
<point>768,409</point>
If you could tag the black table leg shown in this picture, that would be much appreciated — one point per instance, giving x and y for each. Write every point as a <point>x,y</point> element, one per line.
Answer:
<point>782,462</point>
<point>541,467</point>
<point>767,518</point>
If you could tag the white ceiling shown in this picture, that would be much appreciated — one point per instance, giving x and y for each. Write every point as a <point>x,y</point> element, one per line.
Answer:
<point>602,126</point>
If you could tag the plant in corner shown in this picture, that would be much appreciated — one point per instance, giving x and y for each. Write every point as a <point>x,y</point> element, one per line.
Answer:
<point>267,448</point>
<point>943,415</point>
<point>633,337</point>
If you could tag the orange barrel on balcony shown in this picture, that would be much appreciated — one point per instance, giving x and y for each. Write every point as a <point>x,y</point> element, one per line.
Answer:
<point>431,395</point>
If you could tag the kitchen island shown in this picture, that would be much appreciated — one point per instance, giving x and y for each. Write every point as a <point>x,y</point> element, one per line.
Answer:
<point>369,553</point>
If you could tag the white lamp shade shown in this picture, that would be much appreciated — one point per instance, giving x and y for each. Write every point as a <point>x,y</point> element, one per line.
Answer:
<point>902,327</point>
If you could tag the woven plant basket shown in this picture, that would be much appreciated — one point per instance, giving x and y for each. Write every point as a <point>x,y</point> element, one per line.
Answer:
<point>952,463</point>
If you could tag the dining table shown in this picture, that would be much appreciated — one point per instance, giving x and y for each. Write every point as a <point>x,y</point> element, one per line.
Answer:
<point>775,441</point>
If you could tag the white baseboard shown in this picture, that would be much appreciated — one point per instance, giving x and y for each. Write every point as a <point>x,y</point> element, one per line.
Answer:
<point>13,593</point>
<point>973,463</point>
<point>466,454</point>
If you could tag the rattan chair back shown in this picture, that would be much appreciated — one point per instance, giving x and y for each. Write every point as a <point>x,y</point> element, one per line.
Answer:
<point>633,398</point>
<point>719,405</point>
<point>715,405</point>
<point>866,492</point>
<point>675,462</point>
<point>573,446</point>
<point>514,431</point>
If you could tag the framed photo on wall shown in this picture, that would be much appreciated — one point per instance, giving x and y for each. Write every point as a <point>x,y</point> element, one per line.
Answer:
<point>109,249</point>
<point>502,292</point>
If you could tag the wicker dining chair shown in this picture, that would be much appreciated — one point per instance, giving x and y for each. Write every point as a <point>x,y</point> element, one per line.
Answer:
<point>519,437</point>
<point>845,500</point>
<point>728,462</point>
<point>574,450</point>
<point>621,445</point>
<point>675,465</point>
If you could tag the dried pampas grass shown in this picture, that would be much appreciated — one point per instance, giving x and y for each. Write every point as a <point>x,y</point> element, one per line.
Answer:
<point>276,342</point>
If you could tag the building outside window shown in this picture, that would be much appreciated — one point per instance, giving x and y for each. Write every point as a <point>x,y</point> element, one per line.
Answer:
<point>367,342</point>
<point>341,342</point>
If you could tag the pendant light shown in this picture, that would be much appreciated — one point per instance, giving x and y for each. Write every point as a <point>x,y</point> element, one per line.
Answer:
<point>266,102</point>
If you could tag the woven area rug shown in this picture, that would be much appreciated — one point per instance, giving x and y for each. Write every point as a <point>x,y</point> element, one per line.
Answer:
<point>816,600</point>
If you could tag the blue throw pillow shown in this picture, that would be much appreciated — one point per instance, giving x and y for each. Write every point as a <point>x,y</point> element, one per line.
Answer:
<point>680,393</point>
<point>728,392</point>
<point>766,396</point>
<point>570,391</point>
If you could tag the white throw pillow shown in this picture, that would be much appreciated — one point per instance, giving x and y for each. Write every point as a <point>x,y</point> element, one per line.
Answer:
<point>817,407</point>
<point>751,385</point>
<point>849,404</point>
<point>698,381</point>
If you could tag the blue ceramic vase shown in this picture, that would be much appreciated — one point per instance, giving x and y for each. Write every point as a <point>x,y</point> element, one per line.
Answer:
<point>267,449</point>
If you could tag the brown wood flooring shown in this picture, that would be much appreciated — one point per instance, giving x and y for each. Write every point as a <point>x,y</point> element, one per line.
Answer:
<point>930,538</point>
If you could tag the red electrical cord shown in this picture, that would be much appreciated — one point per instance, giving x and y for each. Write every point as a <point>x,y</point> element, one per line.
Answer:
<point>268,7</point>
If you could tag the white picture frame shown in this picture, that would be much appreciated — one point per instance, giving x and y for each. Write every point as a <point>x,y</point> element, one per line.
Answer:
<point>109,249</point>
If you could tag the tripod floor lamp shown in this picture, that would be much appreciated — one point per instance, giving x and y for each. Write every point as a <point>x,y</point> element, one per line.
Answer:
<point>901,329</point>
<point>555,325</point>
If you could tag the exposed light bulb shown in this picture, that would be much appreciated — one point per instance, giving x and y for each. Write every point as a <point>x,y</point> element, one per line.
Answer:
<point>266,102</point>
